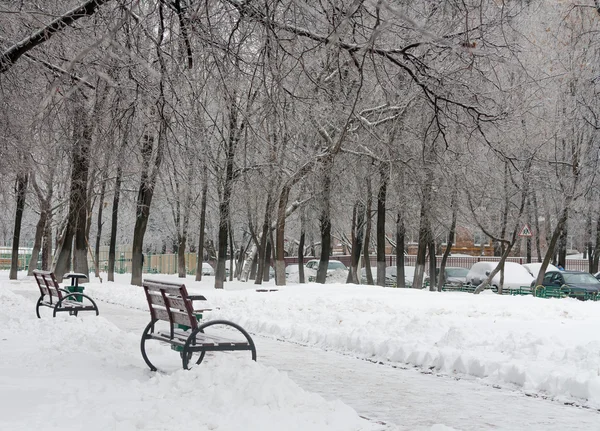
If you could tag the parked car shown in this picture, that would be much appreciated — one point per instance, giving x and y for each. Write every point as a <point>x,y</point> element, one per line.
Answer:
<point>207,269</point>
<point>534,268</point>
<point>515,275</point>
<point>391,276</point>
<point>292,269</point>
<point>332,265</point>
<point>573,281</point>
<point>453,275</point>
<point>335,270</point>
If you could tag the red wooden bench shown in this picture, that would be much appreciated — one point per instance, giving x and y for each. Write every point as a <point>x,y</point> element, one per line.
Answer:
<point>171,303</point>
<point>59,299</point>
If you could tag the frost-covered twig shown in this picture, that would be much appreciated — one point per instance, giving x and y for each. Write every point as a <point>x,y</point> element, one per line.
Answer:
<point>13,53</point>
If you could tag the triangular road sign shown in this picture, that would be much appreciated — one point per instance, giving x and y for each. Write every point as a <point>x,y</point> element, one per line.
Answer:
<point>526,231</point>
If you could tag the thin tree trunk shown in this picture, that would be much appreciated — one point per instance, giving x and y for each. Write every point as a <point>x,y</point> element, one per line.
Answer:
<point>100,223</point>
<point>366,255</point>
<point>280,237</point>
<point>432,261</point>
<point>301,250</point>
<point>528,239</point>
<point>20,191</point>
<point>148,178</point>
<point>381,198</point>
<point>264,237</point>
<point>400,240</point>
<point>113,226</point>
<point>266,264</point>
<point>231,250</point>
<point>200,259</point>
<point>588,242</point>
<point>552,245</point>
<point>37,243</point>
<point>181,245</point>
<point>536,223</point>
<point>596,258</point>
<point>454,204</point>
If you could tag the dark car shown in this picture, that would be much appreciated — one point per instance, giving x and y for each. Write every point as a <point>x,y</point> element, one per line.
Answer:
<point>574,283</point>
<point>453,276</point>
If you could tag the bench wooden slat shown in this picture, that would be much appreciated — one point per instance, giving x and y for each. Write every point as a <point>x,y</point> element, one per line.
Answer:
<point>174,316</point>
<point>177,303</point>
<point>47,284</point>
<point>156,298</point>
<point>169,288</point>
<point>201,339</point>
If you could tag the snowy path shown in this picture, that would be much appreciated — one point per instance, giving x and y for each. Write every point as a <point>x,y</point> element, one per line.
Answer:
<point>405,399</point>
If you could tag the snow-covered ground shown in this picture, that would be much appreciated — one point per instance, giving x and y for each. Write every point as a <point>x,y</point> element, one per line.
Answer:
<point>549,348</point>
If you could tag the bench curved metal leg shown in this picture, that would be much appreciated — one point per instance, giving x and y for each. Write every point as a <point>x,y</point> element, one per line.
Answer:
<point>191,339</point>
<point>75,295</point>
<point>149,329</point>
<point>37,306</point>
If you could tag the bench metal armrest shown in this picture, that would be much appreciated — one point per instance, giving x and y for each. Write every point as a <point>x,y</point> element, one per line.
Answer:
<point>197,297</point>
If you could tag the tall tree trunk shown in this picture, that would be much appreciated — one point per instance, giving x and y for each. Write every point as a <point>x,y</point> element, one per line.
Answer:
<point>562,245</point>
<point>148,178</point>
<point>454,205</point>
<point>231,250</point>
<point>596,258</point>
<point>113,225</point>
<point>588,242</point>
<point>254,266</point>
<point>366,255</point>
<point>358,227</point>
<point>37,243</point>
<point>528,239</point>
<point>432,262</point>
<point>47,242</point>
<point>267,262</point>
<point>264,237</point>
<point>552,244</point>
<point>77,216</point>
<point>100,223</point>
<point>325,222</point>
<point>82,161</point>
<point>181,245</point>
<point>423,234</point>
<point>145,195</point>
<point>201,234</point>
<point>42,227</point>
<point>301,248</point>
<point>20,192</point>
<point>536,223</point>
<point>280,236</point>
<point>381,198</point>
<point>400,240</point>
<point>226,195</point>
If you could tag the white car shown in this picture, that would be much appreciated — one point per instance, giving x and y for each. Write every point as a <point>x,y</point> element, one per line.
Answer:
<point>515,275</point>
<point>392,274</point>
<point>291,269</point>
<point>207,269</point>
<point>336,270</point>
<point>534,268</point>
